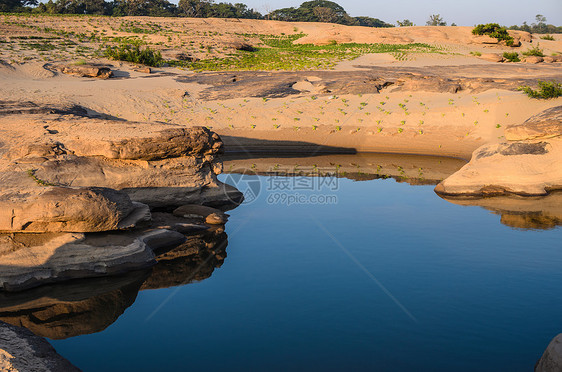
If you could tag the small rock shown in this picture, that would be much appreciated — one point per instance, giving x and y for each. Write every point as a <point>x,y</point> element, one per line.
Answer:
<point>243,46</point>
<point>533,59</point>
<point>144,70</point>
<point>548,59</point>
<point>215,219</point>
<point>201,210</point>
<point>101,72</point>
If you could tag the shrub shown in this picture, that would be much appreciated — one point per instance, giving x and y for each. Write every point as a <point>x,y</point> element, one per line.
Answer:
<point>493,30</point>
<point>547,37</point>
<point>535,51</point>
<point>511,57</point>
<point>133,53</point>
<point>477,54</point>
<point>547,89</point>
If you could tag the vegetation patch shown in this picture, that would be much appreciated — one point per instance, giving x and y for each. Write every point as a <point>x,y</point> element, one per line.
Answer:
<point>511,56</point>
<point>494,30</point>
<point>280,53</point>
<point>547,90</point>
<point>547,37</point>
<point>134,53</point>
<point>535,51</point>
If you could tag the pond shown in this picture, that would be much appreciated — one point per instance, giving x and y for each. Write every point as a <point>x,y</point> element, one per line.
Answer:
<point>333,263</point>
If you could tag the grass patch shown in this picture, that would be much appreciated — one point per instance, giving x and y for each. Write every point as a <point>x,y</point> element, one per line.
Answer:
<point>546,90</point>
<point>133,53</point>
<point>511,57</point>
<point>547,37</point>
<point>279,53</point>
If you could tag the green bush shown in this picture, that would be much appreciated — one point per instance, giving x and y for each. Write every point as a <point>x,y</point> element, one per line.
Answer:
<point>493,30</point>
<point>133,53</point>
<point>547,89</point>
<point>511,57</point>
<point>535,51</point>
<point>547,37</point>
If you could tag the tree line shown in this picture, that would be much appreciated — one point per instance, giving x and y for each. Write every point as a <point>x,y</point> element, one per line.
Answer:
<point>309,11</point>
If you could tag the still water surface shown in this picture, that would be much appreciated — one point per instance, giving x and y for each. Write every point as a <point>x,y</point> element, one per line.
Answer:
<point>389,278</point>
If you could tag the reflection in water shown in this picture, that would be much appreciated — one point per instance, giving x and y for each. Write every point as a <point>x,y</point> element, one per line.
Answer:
<point>416,170</point>
<point>543,212</point>
<point>75,308</point>
<point>194,260</point>
<point>518,212</point>
<point>87,306</point>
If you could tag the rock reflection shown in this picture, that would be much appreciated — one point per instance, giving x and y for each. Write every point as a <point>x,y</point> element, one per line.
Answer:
<point>521,212</point>
<point>87,306</point>
<point>413,169</point>
<point>194,260</point>
<point>75,308</point>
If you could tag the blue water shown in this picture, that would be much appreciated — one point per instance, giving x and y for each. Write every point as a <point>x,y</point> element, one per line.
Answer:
<point>391,278</point>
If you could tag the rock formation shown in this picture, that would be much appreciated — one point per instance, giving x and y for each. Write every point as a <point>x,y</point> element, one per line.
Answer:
<point>551,360</point>
<point>65,176</point>
<point>21,350</point>
<point>529,162</point>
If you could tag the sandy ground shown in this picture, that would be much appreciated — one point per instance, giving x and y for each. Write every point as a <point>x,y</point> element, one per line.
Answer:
<point>415,121</point>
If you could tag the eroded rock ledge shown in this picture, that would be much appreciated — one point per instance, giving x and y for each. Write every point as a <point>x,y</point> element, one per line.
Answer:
<point>528,162</point>
<point>65,177</point>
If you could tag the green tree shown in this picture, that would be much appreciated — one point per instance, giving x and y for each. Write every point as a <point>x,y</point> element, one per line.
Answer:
<point>404,23</point>
<point>436,20</point>
<point>16,5</point>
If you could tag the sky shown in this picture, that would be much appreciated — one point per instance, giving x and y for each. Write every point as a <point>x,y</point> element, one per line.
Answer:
<point>461,12</point>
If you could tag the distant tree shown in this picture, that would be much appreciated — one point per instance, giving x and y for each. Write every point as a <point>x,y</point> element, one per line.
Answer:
<point>371,22</point>
<point>436,20</point>
<point>325,14</point>
<point>195,8</point>
<point>404,23</point>
<point>540,26</point>
<point>453,24</point>
<point>16,5</point>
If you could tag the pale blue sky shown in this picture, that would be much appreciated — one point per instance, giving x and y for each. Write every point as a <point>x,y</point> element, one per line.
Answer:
<point>463,13</point>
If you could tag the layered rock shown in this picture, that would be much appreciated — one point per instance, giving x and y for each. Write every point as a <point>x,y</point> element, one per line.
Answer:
<point>66,177</point>
<point>528,164</point>
<point>21,350</point>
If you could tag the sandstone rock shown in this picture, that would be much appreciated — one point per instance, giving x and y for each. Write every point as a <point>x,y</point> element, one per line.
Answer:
<point>160,239</point>
<point>547,124</point>
<point>492,57</point>
<point>551,360</point>
<point>557,58</point>
<point>524,168</point>
<point>21,350</point>
<point>215,219</point>
<point>56,209</point>
<point>548,59</point>
<point>516,42</point>
<point>101,72</point>
<point>483,39</point>
<point>211,215</point>
<point>30,260</point>
<point>243,46</point>
<point>533,59</point>
<point>144,70</point>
